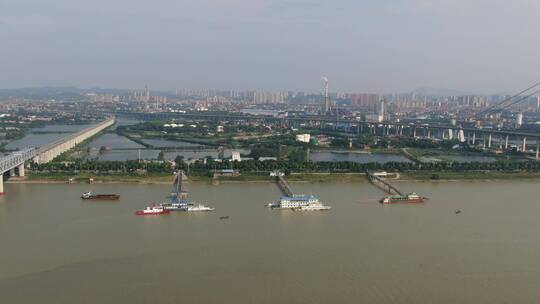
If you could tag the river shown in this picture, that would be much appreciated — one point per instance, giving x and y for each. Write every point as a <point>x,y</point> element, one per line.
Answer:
<point>59,249</point>
<point>324,156</point>
<point>38,139</point>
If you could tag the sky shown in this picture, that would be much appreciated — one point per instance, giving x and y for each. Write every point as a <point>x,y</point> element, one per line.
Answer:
<point>379,46</point>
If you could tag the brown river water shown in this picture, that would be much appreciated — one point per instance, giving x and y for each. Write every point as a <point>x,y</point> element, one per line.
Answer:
<point>56,248</point>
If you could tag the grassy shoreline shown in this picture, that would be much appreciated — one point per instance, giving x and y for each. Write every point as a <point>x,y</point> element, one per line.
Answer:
<point>294,177</point>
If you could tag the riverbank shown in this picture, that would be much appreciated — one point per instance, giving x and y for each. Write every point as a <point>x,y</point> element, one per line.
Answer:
<point>293,177</point>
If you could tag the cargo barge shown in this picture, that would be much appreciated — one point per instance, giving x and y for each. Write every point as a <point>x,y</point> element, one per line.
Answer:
<point>411,198</point>
<point>104,197</point>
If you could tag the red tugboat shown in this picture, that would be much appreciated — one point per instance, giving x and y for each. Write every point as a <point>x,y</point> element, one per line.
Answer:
<point>411,198</point>
<point>152,210</point>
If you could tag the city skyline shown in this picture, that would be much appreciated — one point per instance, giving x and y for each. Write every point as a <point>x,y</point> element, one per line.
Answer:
<point>421,91</point>
<point>362,46</point>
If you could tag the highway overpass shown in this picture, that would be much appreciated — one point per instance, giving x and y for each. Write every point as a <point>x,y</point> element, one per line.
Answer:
<point>473,135</point>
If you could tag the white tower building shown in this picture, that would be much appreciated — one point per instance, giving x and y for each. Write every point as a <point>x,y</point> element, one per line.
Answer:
<point>327,106</point>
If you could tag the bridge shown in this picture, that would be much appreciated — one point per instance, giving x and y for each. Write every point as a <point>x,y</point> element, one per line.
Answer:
<point>382,184</point>
<point>473,135</point>
<point>15,162</point>
<point>49,152</point>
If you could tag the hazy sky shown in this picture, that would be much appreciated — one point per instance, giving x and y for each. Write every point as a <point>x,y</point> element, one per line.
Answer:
<point>361,45</point>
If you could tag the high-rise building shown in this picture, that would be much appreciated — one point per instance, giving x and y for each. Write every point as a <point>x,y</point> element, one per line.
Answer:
<point>363,100</point>
<point>146,94</point>
<point>327,106</point>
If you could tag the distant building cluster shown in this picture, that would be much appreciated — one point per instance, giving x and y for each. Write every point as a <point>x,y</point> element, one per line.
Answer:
<point>253,97</point>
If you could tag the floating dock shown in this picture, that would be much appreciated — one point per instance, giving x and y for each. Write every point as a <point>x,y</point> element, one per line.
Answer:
<point>293,201</point>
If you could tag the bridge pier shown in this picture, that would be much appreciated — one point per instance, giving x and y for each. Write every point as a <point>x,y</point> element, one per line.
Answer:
<point>2,184</point>
<point>524,148</point>
<point>489,140</point>
<point>506,143</point>
<point>21,170</point>
<point>537,148</point>
<point>474,138</point>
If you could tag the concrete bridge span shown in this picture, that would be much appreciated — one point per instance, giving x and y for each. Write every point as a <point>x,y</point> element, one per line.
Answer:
<point>47,153</point>
<point>14,163</point>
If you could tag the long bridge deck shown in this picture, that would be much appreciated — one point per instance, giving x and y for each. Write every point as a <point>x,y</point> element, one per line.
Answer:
<point>49,152</point>
<point>16,161</point>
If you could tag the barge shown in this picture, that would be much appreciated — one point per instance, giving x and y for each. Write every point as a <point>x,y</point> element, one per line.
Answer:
<point>104,197</point>
<point>411,198</point>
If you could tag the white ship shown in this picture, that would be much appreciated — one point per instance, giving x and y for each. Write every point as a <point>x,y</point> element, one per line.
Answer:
<point>199,207</point>
<point>299,202</point>
<point>176,205</point>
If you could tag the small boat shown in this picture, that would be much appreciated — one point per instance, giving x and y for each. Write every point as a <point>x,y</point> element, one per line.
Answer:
<point>224,217</point>
<point>152,210</point>
<point>107,197</point>
<point>458,211</point>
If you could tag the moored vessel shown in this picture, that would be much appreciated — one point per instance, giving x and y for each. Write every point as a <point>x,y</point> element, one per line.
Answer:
<point>176,205</point>
<point>185,205</point>
<point>411,198</point>
<point>300,203</point>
